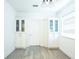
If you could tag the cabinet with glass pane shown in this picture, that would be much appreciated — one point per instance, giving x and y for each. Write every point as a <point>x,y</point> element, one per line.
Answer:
<point>20,34</point>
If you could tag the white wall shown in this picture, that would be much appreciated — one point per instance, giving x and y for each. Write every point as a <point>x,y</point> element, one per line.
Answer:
<point>42,25</point>
<point>44,36</point>
<point>9,41</point>
<point>66,16</point>
<point>67,40</point>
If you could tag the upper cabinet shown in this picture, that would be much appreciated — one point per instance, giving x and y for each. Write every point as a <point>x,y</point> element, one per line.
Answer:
<point>20,25</point>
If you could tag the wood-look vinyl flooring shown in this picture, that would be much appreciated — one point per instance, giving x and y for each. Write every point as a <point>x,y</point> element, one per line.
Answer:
<point>37,52</point>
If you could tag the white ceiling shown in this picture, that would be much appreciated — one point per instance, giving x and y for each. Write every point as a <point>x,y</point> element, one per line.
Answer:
<point>26,5</point>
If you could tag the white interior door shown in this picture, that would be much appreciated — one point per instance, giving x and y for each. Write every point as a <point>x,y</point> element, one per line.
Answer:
<point>37,32</point>
<point>33,32</point>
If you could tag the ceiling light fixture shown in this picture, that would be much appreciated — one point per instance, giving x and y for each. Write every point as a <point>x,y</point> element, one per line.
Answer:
<point>47,3</point>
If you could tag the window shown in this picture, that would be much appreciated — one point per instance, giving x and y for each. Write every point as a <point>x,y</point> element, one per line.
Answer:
<point>56,25</point>
<point>22,25</point>
<point>51,25</point>
<point>17,25</point>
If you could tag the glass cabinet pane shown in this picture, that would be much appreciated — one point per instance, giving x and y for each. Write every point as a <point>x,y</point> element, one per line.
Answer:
<point>22,25</point>
<point>51,25</point>
<point>17,25</point>
<point>56,25</point>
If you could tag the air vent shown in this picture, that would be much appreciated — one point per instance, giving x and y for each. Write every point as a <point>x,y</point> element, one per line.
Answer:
<point>35,5</point>
<point>50,0</point>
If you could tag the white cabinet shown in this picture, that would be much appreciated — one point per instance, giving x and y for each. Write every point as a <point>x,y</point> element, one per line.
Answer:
<point>21,34</point>
<point>67,45</point>
<point>21,40</point>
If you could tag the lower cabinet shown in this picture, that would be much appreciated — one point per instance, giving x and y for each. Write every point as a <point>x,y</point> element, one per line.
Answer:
<point>21,40</point>
<point>67,45</point>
